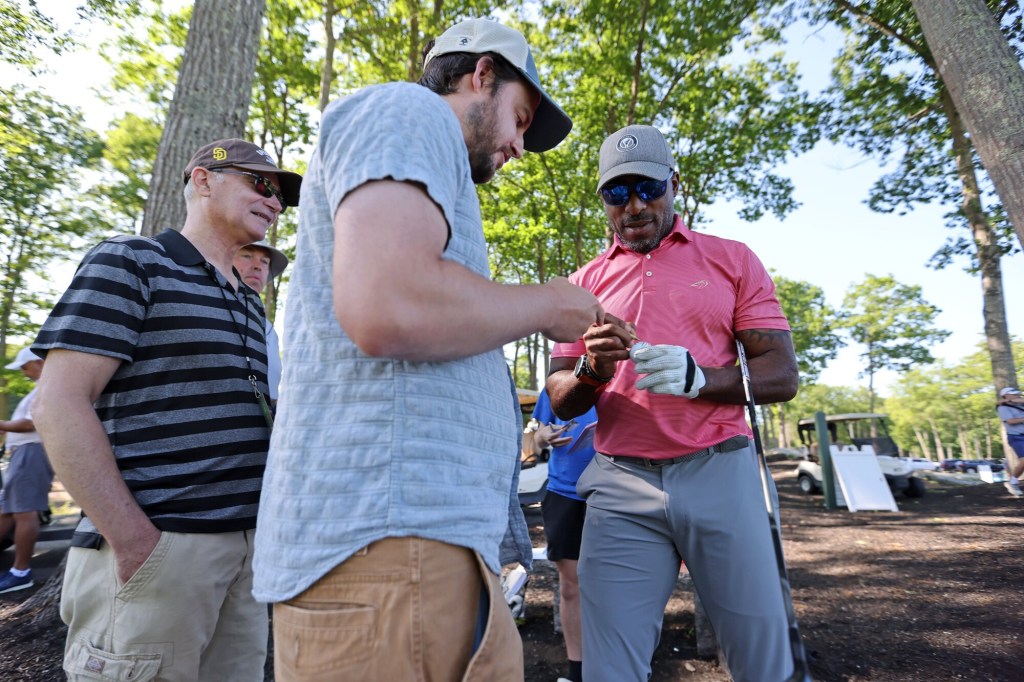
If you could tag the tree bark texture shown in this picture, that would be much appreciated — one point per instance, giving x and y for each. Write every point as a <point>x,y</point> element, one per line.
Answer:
<point>986,83</point>
<point>997,334</point>
<point>211,99</point>
<point>327,71</point>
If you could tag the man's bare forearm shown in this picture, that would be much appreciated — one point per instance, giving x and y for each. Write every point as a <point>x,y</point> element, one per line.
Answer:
<point>774,377</point>
<point>79,449</point>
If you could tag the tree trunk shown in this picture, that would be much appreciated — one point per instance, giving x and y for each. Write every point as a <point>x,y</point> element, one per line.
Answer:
<point>926,449</point>
<point>937,437</point>
<point>784,441</point>
<point>965,446</point>
<point>211,99</point>
<point>986,83</point>
<point>997,335</point>
<point>327,72</point>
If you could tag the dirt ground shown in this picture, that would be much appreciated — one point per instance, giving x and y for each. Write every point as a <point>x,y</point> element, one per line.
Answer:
<point>934,592</point>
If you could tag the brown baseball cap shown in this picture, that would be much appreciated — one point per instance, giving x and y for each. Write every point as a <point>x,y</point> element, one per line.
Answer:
<point>241,154</point>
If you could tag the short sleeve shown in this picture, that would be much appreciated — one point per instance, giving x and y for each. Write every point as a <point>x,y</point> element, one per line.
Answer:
<point>757,306</point>
<point>365,137</point>
<point>103,309</point>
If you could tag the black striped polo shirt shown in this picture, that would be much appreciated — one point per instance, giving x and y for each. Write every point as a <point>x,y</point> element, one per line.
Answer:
<point>187,431</point>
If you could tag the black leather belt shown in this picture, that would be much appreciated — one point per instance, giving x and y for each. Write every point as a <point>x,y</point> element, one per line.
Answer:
<point>730,445</point>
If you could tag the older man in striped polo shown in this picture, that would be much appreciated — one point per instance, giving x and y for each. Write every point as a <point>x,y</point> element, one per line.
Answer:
<point>153,408</point>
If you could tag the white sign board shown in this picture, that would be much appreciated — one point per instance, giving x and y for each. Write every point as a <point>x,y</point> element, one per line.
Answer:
<point>862,481</point>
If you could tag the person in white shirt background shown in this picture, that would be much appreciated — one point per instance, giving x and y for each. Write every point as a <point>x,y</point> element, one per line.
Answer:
<point>27,483</point>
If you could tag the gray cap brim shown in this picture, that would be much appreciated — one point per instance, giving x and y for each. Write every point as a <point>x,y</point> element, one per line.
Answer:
<point>550,124</point>
<point>647,169</point>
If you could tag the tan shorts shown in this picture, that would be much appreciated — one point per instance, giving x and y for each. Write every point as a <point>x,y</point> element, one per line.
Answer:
<point>187,614</point>
<point>400,609</point>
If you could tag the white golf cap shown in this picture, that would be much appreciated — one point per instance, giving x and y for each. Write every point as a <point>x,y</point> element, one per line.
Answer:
<point>1009,390</point>
<point>278,261</point>
<point>24,356</point>
<point>476,36</point>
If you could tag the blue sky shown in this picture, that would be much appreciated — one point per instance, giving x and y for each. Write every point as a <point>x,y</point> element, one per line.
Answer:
<point>833,240</point>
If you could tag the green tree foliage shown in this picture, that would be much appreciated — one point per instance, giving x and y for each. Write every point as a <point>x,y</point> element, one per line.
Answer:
<point>285,91</point>
<point>379,41</point>
<point>145,54</point>
<point>894,324</point>
<point>828,399</point>
<point>945,410</point>
<point>889,100</point>
<point>44,148</point>
<point>130,147</point>
<point>25,30</point>
<point>703,72</point>
<point>886,98</point>
<point>813,322</point>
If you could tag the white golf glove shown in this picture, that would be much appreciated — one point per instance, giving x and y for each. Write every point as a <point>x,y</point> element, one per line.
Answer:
<point>670,370</point>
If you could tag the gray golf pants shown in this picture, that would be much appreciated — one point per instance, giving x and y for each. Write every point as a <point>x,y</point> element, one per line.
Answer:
<point>708,511</point>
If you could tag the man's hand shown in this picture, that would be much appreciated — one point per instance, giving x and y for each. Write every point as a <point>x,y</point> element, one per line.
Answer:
<point>551,435</point>
<point>670,370</point>
<point>574,309</point>
<point>130,560</point>
<point>607,344</point>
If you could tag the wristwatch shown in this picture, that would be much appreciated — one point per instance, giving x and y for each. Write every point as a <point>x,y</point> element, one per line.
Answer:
<point>586,374</point>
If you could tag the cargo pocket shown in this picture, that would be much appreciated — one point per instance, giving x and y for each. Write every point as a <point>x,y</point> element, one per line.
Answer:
<point>308,640</point>
<point>86,662</point>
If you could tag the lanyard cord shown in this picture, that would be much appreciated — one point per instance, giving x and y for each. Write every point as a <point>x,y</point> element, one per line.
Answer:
<point>244,338</point>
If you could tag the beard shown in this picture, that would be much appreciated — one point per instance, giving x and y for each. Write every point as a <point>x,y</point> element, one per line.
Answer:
<point>481,120</point>
<point>663,223</point>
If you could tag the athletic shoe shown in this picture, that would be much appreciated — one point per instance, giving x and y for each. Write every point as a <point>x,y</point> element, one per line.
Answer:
<point>1013,488</point>
<point>12,583</point>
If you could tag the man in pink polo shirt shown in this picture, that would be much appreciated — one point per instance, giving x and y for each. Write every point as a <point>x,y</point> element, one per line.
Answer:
<point>676,477</point>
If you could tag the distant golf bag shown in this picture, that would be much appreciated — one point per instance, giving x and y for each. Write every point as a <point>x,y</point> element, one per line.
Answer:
<point>801,671</point>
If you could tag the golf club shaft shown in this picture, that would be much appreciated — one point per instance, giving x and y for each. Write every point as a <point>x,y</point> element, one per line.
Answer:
<point>801,670</point>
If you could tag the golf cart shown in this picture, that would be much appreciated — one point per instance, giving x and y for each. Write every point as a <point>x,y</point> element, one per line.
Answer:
<point>859,431</point>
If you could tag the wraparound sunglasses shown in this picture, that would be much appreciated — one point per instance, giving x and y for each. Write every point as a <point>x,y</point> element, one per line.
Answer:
<point>259,183</point>
<point>648,190</point>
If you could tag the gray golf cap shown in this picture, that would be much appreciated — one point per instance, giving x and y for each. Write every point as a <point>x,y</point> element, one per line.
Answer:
<point>635,150</point>
<point>476,36</point>
<point>278,261</point>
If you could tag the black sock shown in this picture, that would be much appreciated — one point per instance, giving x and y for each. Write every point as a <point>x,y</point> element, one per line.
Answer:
<point>575,670</point>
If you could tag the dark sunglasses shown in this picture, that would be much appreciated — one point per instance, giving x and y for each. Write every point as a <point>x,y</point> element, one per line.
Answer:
<point>260,183</point>
<point>647,190</point>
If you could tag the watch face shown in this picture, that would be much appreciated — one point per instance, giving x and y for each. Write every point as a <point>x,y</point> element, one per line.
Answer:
<point>580,366</point>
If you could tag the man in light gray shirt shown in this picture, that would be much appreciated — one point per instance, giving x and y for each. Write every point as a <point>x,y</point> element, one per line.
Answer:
<point>392,474</point>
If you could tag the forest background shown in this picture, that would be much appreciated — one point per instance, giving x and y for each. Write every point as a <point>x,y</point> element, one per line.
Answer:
<point>718,77</point>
